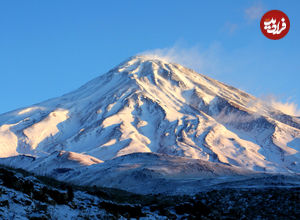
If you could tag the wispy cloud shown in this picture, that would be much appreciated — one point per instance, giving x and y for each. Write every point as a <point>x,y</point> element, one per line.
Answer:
<point>235,117</point>
<point>254,12</point>
<point>203,60</point>
<point>229,28</point>
<point>289,108</point>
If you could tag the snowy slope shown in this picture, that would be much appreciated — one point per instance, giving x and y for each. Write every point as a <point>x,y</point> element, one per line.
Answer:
<point>136,172</point>
<point>149,173</point>
<point>58,161</point>
<point>148,105</point>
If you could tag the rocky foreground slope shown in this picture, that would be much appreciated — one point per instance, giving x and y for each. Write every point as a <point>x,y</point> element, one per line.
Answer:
<point>25,196</point>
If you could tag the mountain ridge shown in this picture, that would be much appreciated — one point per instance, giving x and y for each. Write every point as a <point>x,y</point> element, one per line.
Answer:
<point>148,105</point>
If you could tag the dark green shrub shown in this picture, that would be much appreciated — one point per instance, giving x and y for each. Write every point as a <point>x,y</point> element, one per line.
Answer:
<point>40,196</point>
<point>4,203</point>
<point>58,197</point>
<point>126,211</point>
<point>8,178</point>
<point>70,193</point>
<point>27,187</point>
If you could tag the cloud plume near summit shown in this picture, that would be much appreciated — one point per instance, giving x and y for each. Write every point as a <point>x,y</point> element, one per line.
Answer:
<point>203,60</point>
<point>288,107</point>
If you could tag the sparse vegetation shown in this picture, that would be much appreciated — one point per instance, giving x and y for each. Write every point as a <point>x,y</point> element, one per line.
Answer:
<point>43,192</point>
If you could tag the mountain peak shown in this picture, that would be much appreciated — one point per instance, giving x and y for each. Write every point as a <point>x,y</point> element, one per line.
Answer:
<point>144,60</point>
<point>150,58</point>
<point>147,104</point>
<point>156,70</point>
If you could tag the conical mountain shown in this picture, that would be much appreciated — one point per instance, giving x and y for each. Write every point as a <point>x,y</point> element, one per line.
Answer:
<point>148,105</point>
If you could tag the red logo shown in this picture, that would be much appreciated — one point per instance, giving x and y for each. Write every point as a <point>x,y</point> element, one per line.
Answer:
<point>275,24</point>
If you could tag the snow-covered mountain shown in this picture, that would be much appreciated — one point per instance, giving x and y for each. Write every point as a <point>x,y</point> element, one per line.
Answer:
<point>148,105</point>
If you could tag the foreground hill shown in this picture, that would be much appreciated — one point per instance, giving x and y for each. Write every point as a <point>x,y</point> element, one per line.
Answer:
<point>25,196</point>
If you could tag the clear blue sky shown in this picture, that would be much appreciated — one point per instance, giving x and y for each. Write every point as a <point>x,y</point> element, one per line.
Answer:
<point>48,48</point>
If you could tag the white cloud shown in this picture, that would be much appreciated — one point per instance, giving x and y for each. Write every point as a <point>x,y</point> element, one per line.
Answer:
<point>203,60</point>
<point>254,12</point>
<point>233,117</point>
<point>289,108</point>
<point>229,28</point>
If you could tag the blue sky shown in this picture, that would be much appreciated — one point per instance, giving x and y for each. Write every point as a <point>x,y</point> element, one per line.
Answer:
<point>48,48</point>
